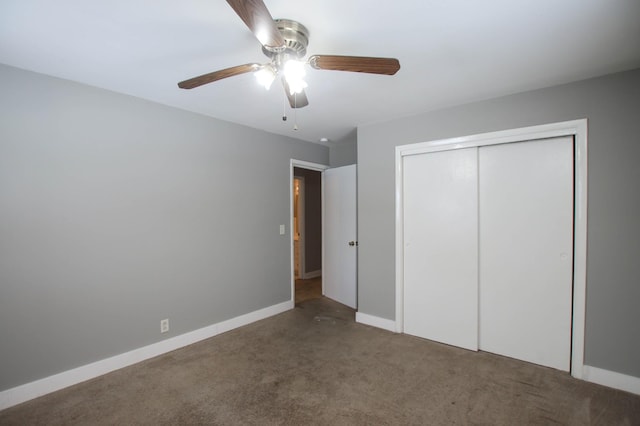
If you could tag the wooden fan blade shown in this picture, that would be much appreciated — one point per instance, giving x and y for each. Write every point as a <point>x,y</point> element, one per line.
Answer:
<point>299,100</point>
<point>217,75</point>
<point>388,66</point>
<point>256,16</point>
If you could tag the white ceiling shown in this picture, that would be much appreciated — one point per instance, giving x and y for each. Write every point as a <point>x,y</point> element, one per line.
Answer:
<point>451,52</point>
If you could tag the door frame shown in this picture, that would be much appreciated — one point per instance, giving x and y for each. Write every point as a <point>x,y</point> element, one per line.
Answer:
<point>318,168</point>
<point>575,128</point>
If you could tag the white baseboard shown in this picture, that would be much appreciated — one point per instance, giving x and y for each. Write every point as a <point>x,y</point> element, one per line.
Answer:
<point>374,321</point>
<point>28,391</point>
<point>312,274</point>
<point>611,379</point>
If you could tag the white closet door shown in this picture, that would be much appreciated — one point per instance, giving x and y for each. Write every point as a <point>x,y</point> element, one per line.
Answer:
<point>440,253</point>
<point>526,250</point>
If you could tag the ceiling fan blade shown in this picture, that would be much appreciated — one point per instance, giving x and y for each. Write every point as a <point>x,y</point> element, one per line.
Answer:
<point>256,16</point>
<point>388,66</point>
<point>217,75</point>
<point>299,100</point>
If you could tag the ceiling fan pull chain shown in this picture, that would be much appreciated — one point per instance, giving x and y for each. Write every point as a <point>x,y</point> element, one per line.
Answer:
<point>284,107</point>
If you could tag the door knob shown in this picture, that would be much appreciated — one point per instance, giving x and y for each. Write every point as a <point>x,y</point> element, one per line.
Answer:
<point>353,243</point>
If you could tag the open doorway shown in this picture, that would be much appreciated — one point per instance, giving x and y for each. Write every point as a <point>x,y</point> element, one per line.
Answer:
<point>307,233</point>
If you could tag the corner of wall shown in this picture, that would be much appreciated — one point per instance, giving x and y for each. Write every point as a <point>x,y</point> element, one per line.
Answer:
<point>344,152</point>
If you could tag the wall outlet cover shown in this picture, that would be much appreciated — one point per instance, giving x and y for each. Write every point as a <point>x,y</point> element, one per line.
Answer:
<point>164,325</point>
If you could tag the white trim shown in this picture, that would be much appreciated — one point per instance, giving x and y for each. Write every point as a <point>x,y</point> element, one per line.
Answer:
<point>575,128</point>
<point>313,274</point>
<point>544,131</point>
<point>611,379</point>
<point>28,391</point>
<point>383,323</point>
<point>309,166</point>
<point>399,211</point>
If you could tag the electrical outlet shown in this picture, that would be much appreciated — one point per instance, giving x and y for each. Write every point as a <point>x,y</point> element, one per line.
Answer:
<point>164,325</point>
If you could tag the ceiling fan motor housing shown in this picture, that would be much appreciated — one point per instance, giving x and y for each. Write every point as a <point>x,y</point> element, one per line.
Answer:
<point>296,37</point>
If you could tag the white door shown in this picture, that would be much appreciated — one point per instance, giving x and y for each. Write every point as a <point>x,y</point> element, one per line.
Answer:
<point>340,239</point>
<point>526,250</point>
<point>441,247</point>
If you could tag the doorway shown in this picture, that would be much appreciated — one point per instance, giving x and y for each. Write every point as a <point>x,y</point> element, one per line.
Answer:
<point>306,226</point>
<point>330,245</point>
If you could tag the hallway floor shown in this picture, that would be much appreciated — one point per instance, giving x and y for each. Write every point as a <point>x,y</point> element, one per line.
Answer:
<point>308,289</point>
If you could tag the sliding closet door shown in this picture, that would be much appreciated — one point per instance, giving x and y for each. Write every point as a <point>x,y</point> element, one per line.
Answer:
<point>526,250</point>
<point>440,246</point>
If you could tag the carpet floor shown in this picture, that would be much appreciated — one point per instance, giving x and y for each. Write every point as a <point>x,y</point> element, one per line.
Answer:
<point>315,365</point>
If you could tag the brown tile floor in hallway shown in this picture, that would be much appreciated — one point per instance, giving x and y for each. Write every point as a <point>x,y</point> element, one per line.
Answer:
<point>314,365</point>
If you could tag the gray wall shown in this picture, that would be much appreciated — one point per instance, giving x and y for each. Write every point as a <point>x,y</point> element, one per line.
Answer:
<point>345,151</point>
<point>612,106</point>
<point>312,218</point>
<point>117,212</point>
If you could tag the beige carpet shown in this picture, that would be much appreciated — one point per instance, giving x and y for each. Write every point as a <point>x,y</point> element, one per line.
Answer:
<point>315,365</point>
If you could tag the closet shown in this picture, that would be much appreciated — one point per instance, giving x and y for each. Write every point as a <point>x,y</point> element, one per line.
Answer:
<point>488,248</point>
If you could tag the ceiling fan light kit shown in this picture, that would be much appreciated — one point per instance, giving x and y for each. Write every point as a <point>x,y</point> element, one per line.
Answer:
<point>285,42</point>
<point>265,75</point>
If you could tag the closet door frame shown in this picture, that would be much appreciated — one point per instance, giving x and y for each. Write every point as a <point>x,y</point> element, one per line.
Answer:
<point>578,130</point>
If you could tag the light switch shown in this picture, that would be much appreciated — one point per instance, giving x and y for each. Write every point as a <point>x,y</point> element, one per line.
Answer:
<point>281,229</point>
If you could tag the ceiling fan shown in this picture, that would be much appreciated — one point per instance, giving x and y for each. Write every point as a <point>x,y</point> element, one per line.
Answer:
<point>285,42</point>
